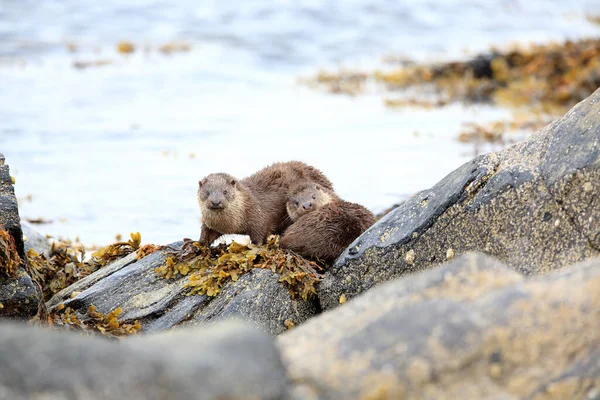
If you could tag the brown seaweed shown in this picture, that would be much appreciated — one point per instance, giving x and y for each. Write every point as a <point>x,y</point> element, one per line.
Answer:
<point>211,268</point>
<point>66,262</point>
<point>9,257</point>
<point>93,322</point>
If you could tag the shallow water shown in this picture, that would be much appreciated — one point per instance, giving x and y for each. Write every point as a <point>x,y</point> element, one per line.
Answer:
<point>120,148</point>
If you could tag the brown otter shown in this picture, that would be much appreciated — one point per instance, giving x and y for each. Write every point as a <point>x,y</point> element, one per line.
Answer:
<point>324,225</point>
<point>255,205</point>
<point>307,196</point>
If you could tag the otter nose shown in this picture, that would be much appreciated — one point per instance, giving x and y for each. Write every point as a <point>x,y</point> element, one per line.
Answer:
<point>216,203</point>
<point>307,205</point>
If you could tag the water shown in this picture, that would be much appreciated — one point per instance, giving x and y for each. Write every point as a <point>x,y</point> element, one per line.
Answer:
<point>120,148</point>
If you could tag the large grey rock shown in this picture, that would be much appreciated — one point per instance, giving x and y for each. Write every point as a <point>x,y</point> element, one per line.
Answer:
<point>229,360</point>
<point>19,296</point>
<point>471,329</point>
<point>535,206</point>
<point>160,304</point>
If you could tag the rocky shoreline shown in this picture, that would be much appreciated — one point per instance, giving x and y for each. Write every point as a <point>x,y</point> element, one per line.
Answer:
<point>484,286</point>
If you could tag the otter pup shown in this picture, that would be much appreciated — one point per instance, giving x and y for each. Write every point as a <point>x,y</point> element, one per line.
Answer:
<point>307,196</point>
<point>255,205</point>
<point>324,225</point>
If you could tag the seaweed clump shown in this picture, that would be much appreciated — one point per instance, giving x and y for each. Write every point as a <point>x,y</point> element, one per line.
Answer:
<point>9,257</point>
<point>211,268</point>
<point>66,262</point>
<point>94,323</point>
<point>350,83</point>
<point>551,77</point>
<point>547,78</point>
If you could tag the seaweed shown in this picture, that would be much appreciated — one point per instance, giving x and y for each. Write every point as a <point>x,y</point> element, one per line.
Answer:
<point>94,322</point>
<point>146,250</point>
<point>125,47</point>
<point>9,257</point>
<point>117,250</point>
<point>546,78</point>
<point>91,63</point>
<point>66,262</point>
<point>350,83</point>
<point>174,47</point>
<point>551,77</point>
<point>209,269</point>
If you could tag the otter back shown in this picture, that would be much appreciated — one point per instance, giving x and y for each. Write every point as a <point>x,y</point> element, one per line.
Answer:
<point>326,232</point>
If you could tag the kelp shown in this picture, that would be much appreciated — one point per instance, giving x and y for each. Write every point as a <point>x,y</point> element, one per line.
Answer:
<point>66,262</point>
<point>174,47</point>
<point>117,250</point>
<point>146,250</point>
<point>125,47</point>
<point>209,269</point>
<point>350,83</point>
<point>93,322</point>
<point>547,78</point>
<point>9,257</point>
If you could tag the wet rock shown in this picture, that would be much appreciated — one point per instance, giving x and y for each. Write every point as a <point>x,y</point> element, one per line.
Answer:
<point>471,329</point>
<point>35,240</point>
<point>535,206</point>
<point>229,360</point>
<point>19,296</point>
<point>160,304</point>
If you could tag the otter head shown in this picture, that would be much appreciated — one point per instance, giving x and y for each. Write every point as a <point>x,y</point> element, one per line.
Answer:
<point>307,197</point>
<point>216,192</point>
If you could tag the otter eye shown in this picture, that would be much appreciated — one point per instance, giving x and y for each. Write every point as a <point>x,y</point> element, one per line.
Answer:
<point>224,191</point>
<point>314,197</point>
<point>297,202</point>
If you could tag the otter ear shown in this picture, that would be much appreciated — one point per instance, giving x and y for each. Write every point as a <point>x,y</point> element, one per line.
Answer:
<point>233,181</point>
<point>318,187</point>
<point>200,183</point>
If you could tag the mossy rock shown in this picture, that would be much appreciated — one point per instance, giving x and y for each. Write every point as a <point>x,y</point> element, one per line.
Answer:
<point>535,206</point>
<point>19,297</point>
<point>471,329</point>
<point>160,304</point>
<point>229,360</point>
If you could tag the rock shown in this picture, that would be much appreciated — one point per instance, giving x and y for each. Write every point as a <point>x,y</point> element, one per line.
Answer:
<point>535,206</point>
<point>19,296</point>
<point>160,304</point>
<point>35,240</point>
<point>471,329</point>
<point>229,360</point>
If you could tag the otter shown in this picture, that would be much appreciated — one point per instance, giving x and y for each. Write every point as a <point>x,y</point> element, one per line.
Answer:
<point>255,205</point>
<point>324,224</point>
<point>307,196</point>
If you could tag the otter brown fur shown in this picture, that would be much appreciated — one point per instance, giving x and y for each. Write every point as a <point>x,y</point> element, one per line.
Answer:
<point>327,226</point>
<point>307,196</point>
<point>254,206</point>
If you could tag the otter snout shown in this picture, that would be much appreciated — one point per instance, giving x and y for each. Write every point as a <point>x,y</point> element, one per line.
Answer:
<point>307,205</point>
<point>215,202</point>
